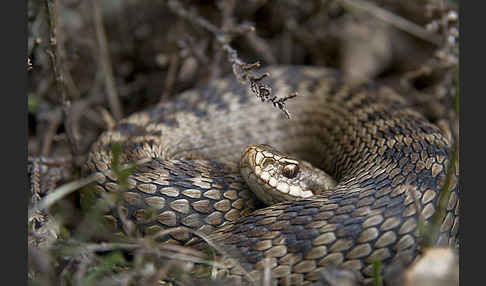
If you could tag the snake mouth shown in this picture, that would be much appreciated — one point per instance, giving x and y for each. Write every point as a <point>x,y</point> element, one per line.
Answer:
<point>276,177</point>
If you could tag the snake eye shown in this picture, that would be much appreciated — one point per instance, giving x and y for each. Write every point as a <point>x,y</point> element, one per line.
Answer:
<point>290,170</point>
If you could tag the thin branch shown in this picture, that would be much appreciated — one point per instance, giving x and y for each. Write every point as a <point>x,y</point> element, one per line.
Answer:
<point>51,7</point>
<point>241,69</point>
<point>171,75</point>
<point>54,123</point>
<point>192,17</point>
<point>395,20</point>
<point>109,77</point>
<point>51,11</point>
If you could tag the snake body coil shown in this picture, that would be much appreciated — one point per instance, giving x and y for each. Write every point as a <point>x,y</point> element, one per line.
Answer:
<point>389,163</point>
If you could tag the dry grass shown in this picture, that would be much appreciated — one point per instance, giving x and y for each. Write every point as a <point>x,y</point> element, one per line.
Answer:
<point>139,52</point>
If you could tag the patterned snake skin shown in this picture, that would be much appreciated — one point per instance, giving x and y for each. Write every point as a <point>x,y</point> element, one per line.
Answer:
<point>385,157</point>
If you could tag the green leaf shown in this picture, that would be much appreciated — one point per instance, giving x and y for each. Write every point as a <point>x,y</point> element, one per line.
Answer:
<point>87,198</point>
<point>33,103</point>
<point>110,263</point>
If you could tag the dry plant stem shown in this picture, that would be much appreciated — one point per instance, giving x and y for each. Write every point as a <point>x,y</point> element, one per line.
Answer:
<point>241,69</point>
<point>51,11</point>
<point>109,77</point>
<point>168,251</point>
<point>243,74</point>
<point>267,274</point>
<point>80,273</point>
<point>194,49</point>
<point>52,51</point>
<point>261,47</point>
<point>61,192</point>
<point>171,75</point>
<point>127,225</point>
<point>68,188</point>
<point>109,122</point>
<point>161,273</point>
<point>395,20</point>
<point>227,24</point>
<point>40,260</point>
<point>178,9</point>
<point>54,123</point>
<point>444,196</point>
<point>208,241</point>
<point>308,40</point>
<point>58,162</point>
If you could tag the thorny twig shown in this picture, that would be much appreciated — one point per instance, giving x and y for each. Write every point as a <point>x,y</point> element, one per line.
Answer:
<point>256,86</point>
<point>241,69</point>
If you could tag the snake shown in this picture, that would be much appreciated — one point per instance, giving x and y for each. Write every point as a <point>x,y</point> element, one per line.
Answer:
<point>344,182</point>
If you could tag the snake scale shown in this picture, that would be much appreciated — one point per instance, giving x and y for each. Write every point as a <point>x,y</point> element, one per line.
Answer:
<point>389,163</point>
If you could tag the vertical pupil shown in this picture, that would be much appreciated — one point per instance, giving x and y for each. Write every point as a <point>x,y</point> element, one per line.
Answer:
<point>290,170</point>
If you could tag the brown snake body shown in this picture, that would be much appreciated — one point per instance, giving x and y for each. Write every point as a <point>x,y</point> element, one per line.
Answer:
<point>388,160</point>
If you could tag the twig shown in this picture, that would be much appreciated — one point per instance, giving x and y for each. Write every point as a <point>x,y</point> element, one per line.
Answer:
<point>395,20</point>
<point>81,271</point>
<point>39,261</point>
<point>52,51</point>
<point>178,9</point>
<point>241,69</point>
<point>195,49</point>
<point>243,73</point>
<point>171,75</point>
<point>310,41</point>
<point>54,123</point>
<point>46,161</point>
<point>227,24</point>
<point>110,86</point>
<point>51,11</point>
<point>261,47</point>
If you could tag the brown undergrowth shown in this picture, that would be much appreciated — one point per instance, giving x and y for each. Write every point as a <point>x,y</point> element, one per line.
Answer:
<point>91,63</point>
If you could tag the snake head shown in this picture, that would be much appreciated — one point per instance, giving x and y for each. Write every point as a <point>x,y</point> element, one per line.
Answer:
<point>276,177</point>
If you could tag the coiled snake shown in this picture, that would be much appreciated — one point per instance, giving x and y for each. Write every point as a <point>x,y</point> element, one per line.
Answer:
<point>388,162</point>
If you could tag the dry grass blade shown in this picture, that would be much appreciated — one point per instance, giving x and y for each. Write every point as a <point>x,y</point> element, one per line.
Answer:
<point>61,192</point>
<point>110,85</point>
<point>68,188</point>
<point>51,7</point>
<point>395,20</point>
<point>209,242</point>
